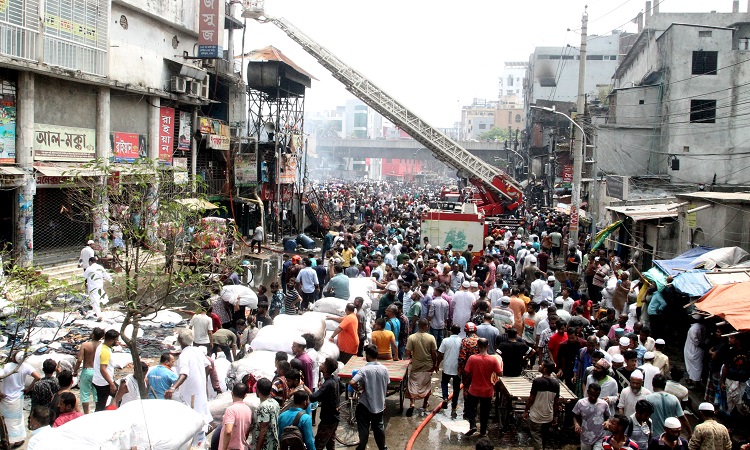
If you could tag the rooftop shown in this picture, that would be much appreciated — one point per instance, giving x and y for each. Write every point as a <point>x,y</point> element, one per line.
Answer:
<point>722,197</point>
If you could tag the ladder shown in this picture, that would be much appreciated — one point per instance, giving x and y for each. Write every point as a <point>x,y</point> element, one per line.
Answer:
<point>444,148</point>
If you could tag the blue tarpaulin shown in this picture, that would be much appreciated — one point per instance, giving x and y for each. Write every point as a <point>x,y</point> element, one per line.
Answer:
<point>692,283</point>
<point>683,261</point>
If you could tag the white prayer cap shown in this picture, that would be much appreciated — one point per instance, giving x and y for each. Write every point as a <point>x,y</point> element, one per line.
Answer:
<point>300,341</point>
<point>649,355</point>
<point>705,406</point>
<point>393,288</point>
<point>660,341</point>
<point>637,374</point>
<point>466,285</point>
<point>551,278</point>
<point>624,341</point>
<point>672,423</point>
<point>474,284</point>
<point>618,358</point>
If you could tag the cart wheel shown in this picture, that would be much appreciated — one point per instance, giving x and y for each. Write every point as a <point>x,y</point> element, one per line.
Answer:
<point>346,433</point>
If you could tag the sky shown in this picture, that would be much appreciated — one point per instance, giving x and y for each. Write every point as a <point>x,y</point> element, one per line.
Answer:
<point>435,56</point>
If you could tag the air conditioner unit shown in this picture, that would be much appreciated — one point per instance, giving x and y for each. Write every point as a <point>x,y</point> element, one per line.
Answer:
<point>178,85</point>
<point>195,88</point>
<point>204,87</point>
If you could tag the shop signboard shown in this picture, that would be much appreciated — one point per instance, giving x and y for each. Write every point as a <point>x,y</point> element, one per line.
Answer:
<point>8,132</point>
<point>210,29</point>
<point>166,134</point>
<point>186,125</point>
<point>245,169</point>
<point>127,147</point>
<point>218,142</point>
<point>567,176</point>
<point>288,168</point>
<point>58,143</point>
<point>180,171</point>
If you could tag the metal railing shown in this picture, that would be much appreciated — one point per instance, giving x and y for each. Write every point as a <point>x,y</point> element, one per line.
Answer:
<point>213,186</point>
<point>17,41</point>
<point>74,56</point>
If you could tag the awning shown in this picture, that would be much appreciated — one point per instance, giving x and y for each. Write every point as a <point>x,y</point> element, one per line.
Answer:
<point>647,212</point>
<point>197,203</point>
<point>10,170</point>
<point>67,171</point>
<point>692,283</point>
<point>682,262</point>
<point>731,302</point>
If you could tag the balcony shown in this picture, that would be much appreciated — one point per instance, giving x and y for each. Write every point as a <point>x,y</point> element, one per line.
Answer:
<point>74,56</point>
<point>214,187</point>
<point>17,41</point>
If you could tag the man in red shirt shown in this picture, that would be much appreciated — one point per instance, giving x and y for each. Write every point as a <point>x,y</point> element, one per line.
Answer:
<point>557,339</point>
<point>586,304</point>
<point>67,408</point>
<point>480,375</point>
<point>348,342</point>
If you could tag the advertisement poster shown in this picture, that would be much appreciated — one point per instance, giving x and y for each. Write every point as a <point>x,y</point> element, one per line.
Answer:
<point>210,29</point>
<point>180,171</point>
<point>56,143</point>
<point>245,169</point>
<point>567,175</point>
<point>186,126</point>
<point>127,147</point>
<point>8,135</point>
<point>218,142</point>
<point>288,169</point>
<point>166,134</point>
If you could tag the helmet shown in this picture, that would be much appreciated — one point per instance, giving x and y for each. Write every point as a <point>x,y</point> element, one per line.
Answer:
<point>470,327</point>
<point>296,259</point>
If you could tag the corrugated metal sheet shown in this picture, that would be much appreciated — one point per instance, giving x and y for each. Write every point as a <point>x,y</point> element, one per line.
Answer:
<point>272,53</point>
<point>646,212</point>
<point>727,277</point>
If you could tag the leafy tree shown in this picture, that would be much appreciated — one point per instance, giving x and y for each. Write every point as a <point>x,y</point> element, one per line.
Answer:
<point>148,215</point>
<point>494,134</point>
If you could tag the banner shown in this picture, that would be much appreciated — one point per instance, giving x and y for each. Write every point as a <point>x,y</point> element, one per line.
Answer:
<point>218,142</point>
<point>210,29</point>
<point>166,134</point>
<point>245,169</point>
<point>186,131</point>
<point>127,147</point>
<point>56,143</point>
<point>8,133</point>
<point>288,169</point>
<point>180,171</point>
<point>567,176</point>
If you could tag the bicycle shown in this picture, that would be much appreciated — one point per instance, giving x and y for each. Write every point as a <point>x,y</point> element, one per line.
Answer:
<point>346,433</point>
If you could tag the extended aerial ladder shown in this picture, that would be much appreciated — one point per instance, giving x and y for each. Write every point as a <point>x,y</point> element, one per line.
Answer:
<point>498,193</point>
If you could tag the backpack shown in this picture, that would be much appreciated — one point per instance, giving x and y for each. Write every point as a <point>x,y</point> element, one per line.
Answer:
<point>291,437</point>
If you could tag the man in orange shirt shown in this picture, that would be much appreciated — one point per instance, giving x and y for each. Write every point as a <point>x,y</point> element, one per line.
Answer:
<point>518,306</point>
<point>480,375</point>
<point>347,332</point>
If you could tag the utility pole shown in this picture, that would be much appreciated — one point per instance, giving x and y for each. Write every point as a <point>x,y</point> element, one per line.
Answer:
<point>575,203</point>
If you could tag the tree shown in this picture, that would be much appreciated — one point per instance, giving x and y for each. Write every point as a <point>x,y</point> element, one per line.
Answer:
<point>147,214</point>
<point>494,134</point>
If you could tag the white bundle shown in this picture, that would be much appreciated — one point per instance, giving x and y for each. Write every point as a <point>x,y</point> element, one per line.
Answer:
<point>259,364</point>
<point>360,287</point>
<point>233,294</point>
<point>36,361</point>
<point>218,406</point>
<point>309,322</point>
<point>328,350</point>
<point>331,305</point>
<point>274,338</point>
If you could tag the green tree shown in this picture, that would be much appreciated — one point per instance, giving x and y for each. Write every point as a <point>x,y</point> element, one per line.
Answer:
<point>494,134</point>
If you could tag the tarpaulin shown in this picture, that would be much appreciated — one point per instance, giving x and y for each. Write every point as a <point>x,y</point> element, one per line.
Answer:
<point>604,234</point>
<point>657,277</point>
<point>721,257</point>
<point>730,302</point>
<point>692,283</point>
<point>684,261</point>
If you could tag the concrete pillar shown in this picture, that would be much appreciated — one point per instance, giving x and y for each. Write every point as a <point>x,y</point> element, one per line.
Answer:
<point>24,207</point>
<point>648,10</point>
<point>194,153</point>
<point>154,110</point>
<point>101,214</point>
<point>655,9</point>
<point>39,44</point>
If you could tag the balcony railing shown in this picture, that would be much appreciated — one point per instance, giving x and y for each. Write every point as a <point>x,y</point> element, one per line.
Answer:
<point>17,41</point>
<point>74,56</point>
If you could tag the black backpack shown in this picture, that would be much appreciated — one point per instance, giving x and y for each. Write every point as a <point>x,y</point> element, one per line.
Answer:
<point>291,436</point>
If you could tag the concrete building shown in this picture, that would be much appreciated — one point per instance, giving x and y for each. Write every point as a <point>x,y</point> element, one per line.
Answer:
<point>676,111</point>
<point>80,78</point>
<point>510,83</point>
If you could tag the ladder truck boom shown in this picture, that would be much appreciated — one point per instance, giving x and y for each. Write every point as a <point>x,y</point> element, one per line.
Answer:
<point>498,192</point>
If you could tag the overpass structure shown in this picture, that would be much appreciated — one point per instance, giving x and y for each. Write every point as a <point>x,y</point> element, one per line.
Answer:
<point>493,153</point>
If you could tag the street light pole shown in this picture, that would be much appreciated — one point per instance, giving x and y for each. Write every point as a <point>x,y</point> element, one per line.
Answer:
<point>575,203</point>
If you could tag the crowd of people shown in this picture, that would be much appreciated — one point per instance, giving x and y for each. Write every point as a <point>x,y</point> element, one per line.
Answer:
<point>526,304</point>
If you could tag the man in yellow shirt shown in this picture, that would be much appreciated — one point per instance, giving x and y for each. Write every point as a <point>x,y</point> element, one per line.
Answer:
<point>385,341</point>
<point>346,256</point>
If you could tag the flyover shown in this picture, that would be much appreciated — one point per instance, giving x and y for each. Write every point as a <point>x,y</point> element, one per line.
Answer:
<point>491,152</point>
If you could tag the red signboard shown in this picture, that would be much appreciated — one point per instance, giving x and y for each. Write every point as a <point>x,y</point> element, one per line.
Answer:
<point>166,134</point>
<point>210,29</point>
<point>573,218</point>
<point>125,146</point>
<point>567,174</point>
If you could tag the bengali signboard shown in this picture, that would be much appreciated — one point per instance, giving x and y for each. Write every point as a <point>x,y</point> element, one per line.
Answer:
<point>183,137</point>
<point>573,218</point>
<point>210,29</point>
<point>58,143</point>
<point>245,169</point>
<point>180,171</point>
<point>567,176</point>
<point>8,132</point>
<point>288,168</point>
<point>127,147</point>
<point>166,134</point>
<point>218,142</point>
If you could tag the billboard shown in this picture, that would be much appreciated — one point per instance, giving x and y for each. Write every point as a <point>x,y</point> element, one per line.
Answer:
<point>166,134</point>
<point>210,29</point>
<point>57,143</point>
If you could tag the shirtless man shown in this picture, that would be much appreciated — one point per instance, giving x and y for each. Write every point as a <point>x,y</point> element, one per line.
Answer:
<point>86,356</point>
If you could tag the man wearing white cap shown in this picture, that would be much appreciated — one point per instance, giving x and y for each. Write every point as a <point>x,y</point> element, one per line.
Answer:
<point>709,435</point>
<point>648,369</point>
<point>631,394</point>
<point>696,340</point>
<point>548,291</point>
<point>624,343</point>
<point>670,438</point>
<point>600,376</point>
<point>474,289</point>
<point>536,288</point>
<point>661,361</point>
<point>665,405</point>
<point>462,303</point>
<point>87,253</point>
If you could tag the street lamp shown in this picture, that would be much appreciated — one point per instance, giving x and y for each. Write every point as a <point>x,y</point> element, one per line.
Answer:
<point>575,201</point>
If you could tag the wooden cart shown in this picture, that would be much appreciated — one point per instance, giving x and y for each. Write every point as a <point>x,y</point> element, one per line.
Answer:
<point>515,391</point>
<point>396,373</point>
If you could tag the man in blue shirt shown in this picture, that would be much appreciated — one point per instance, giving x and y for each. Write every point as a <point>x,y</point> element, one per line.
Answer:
<point>301,399</point>
<point>372,380</point>
<point>161,377</point>
<point>392,323</point>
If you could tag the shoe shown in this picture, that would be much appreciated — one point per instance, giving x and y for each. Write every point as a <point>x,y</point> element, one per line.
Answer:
<point>471,431</point>
<point>454,414</point>
<point>410,411</point>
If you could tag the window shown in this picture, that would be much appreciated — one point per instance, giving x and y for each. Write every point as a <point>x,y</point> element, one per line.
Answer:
<point>510,115</point>
<point>482,126</point>
<point>686,149</point>
<point>641,102</point>
<point>594,57</point>
<point>518,118</point>
<point>706,33</point>
<point>510,80</point>
<point>702,111</point>
<point>704,63</point>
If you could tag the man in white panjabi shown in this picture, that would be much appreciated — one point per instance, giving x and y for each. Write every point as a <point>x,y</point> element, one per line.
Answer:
<point>95,276</point>
<point>696,338</point>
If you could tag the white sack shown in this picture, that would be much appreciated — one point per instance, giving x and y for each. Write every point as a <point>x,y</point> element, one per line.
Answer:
<point>163,316</point>
<point>331,305</point>
<point>310,322</point>
<point>360,287</point>
<point>218,406</point>
<point>328,350</point>
<point>247,297</point>
<point>274,338</point>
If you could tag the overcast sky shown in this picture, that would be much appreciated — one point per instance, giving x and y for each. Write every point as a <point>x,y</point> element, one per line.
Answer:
<point>435,55</point>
